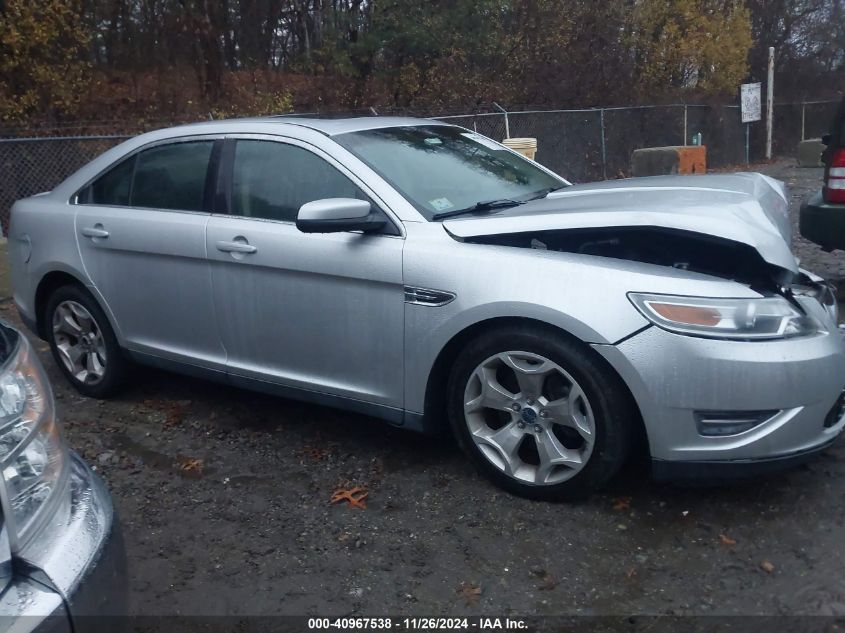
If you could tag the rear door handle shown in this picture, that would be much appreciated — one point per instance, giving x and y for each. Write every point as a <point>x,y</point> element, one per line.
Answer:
<point>236,247</point>
<point>95,231</point>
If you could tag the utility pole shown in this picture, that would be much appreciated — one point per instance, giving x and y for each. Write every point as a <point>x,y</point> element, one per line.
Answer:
<point>770,97</point>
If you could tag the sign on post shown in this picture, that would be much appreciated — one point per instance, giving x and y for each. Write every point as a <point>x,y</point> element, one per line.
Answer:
<point>750,98</point>
<point>750,106</point>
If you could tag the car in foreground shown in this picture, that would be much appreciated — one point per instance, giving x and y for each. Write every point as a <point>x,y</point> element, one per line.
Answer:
<point>822,218</point>
<point>61,553</point>
<point>426,275</point>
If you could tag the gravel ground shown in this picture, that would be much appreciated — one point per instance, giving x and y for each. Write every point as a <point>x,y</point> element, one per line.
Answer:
<point>225,501</point>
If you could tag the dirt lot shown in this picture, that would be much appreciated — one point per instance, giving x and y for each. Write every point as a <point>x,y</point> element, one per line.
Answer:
<point>224,498</point>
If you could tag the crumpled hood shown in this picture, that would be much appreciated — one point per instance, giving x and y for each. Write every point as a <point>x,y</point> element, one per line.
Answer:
<point>748,208</point>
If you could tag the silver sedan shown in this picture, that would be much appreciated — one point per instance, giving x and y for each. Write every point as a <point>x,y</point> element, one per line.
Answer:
<point>424,274</point>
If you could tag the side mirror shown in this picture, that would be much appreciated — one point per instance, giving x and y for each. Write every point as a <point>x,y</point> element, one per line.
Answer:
<point>336,215</point>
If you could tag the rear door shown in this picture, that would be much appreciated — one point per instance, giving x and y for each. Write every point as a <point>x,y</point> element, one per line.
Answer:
<point>141,233</point>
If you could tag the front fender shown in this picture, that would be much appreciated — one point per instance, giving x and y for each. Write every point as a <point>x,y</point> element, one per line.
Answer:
<point>424,345</point>
<point>583,295</point>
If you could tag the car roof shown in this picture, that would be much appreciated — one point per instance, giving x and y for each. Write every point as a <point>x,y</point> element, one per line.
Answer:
<point>329,127</point>
<point>281,125</point>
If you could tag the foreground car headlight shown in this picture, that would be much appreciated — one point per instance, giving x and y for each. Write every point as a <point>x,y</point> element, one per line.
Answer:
<point>763,318</point>
<point>34,460</point>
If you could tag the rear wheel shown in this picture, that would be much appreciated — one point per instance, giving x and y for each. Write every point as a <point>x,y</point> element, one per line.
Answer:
<point>83,343</point>
<point>539,414</point>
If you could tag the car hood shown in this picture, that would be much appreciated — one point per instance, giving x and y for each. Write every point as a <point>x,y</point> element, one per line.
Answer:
<point>747,208</point>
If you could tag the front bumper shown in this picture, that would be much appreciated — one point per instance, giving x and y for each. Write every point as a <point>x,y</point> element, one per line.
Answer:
<point>823,223</point>
<point>672,377</point>
<point>100,587</point>
<point>717,472</point>
<point>78,567</point>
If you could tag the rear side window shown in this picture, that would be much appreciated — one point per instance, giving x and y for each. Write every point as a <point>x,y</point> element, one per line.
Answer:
<point>172,176</point>
<point>272,180</point>
<point>164,177</point>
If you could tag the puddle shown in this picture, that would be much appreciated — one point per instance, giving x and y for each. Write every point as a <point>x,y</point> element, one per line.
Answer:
<point>156,460</point>
<point>151,458</point>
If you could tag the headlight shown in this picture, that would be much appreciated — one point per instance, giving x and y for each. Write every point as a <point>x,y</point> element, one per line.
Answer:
<point>33,457</point>
<point>764,318</point>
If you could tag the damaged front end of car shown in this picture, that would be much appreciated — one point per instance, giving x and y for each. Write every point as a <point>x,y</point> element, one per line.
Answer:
<point>740,367</point>
<point>680,250</point>
<point>733,227</point>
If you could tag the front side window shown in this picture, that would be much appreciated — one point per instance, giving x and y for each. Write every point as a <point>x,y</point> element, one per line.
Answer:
<point>163,177</point>
<point>441,168</point>
<point>272,180</point>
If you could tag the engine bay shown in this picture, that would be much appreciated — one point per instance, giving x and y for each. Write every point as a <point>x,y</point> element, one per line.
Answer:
<point>682,250</point>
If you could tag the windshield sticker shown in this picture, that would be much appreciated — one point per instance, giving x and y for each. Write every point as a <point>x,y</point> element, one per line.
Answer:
<point>441,204</point>
<point>433,141</point>
<point>483,140</point>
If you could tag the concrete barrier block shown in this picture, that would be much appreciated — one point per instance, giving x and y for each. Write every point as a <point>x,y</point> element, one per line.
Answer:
<point>810,152</point>
<point>677,159</point>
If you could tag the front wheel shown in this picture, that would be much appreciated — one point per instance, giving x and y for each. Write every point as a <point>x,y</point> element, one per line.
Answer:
<point>83,343</point>
<point>539,414</point>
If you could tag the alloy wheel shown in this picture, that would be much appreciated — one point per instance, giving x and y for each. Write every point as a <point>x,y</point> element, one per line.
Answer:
<point>79,342</point>
<point>529,417</point>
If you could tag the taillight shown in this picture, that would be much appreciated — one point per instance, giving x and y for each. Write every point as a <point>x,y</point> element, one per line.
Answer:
<point>834,190</point>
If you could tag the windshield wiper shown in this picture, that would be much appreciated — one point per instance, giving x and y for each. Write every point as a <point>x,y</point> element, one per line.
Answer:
<point>487,205</point>
<point>544,192</point>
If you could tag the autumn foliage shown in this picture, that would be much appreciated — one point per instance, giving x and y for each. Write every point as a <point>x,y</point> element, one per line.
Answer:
<point>43,58</point>
<point>170,60</point>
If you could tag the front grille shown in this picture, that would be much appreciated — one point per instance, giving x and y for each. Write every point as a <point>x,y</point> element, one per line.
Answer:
<point>836,412</point>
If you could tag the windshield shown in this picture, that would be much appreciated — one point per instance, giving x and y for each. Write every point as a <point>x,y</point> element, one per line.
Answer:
<point>443,168</point>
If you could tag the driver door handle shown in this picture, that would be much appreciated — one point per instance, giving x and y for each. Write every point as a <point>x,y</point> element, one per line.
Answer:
<point>236,247</point>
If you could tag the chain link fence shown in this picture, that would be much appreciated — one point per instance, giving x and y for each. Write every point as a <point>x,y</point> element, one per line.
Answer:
<point>581,145</point>
<point>595,144</point>
<point>32,165</point>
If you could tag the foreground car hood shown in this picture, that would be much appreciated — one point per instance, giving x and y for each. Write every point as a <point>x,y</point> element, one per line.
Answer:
<point>747,208</point>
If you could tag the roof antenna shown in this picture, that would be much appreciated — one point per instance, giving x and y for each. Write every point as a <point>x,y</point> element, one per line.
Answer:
<point>373,111</point>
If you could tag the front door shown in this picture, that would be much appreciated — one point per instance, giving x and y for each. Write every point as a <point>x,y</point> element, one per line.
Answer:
<point>141,233</point>
<point>320,312</point>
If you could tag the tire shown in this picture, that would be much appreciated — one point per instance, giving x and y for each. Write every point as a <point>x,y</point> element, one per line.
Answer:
<point>83,343</point>
<point>576,411</point>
